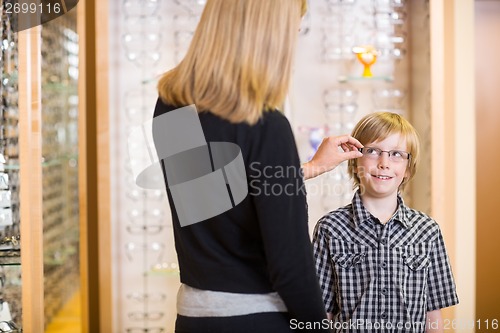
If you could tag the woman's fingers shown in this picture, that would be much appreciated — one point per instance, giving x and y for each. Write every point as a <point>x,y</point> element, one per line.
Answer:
<point>347,139</point>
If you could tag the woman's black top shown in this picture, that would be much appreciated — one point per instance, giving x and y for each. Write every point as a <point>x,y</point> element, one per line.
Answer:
<point>262,244</point>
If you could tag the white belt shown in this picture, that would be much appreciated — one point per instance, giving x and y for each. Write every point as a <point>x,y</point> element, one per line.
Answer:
<point>192,302</point>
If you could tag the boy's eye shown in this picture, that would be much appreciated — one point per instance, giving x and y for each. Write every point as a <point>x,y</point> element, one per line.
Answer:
<point>396,153</point>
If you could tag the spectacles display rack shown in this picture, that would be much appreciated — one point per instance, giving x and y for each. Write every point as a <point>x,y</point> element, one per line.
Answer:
<point>55,133</point>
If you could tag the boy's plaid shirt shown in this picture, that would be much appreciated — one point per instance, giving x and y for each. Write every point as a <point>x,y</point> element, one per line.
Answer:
<point>379,277</point>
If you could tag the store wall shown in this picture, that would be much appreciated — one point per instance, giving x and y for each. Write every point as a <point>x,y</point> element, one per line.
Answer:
<point>487,24</point>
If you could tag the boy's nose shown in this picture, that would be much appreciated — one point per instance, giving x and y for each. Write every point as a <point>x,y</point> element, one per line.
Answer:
<point>383,160</point>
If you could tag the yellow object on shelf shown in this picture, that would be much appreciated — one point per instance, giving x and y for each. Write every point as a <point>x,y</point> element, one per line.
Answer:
<point>367,55</point>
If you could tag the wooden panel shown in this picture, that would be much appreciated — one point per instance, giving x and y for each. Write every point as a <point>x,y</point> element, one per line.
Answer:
<point>95,171</point>
<point>31,179</point>
<point>82,168</point>
<point>488,159</point>
<point>103,167</point>
<point>91,168</point>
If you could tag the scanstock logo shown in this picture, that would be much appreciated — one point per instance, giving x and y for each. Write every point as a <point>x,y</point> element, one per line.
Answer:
<point>204,179</point>
<point>25,14</point>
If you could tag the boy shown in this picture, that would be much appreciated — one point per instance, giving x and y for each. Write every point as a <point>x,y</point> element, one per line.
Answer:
<point>383,266</point>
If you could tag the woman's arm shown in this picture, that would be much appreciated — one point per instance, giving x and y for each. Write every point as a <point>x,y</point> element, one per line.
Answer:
<point>278,195</point>
<point>331,152</point>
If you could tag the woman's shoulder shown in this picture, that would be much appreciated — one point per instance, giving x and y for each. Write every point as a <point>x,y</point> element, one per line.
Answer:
<point>272,118</point>
<point>162,107</point>
<point>274,122</point>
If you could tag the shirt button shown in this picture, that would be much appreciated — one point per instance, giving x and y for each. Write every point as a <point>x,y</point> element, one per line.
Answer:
<point>384,291</point>
<point>383,240</point>
<point>383,265</point>
<point>383,315</point>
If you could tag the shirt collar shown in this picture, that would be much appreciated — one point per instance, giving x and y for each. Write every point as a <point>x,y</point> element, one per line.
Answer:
<point>361,214</point>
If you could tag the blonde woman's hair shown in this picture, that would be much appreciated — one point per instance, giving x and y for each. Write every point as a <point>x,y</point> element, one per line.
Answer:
<point>239,62</point>
<point>378,126</point>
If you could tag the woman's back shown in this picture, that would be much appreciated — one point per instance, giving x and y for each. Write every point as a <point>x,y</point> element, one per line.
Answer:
<point>262,244</point>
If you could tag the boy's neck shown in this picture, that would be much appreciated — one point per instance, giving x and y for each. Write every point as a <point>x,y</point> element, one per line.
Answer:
<point>382,208</point>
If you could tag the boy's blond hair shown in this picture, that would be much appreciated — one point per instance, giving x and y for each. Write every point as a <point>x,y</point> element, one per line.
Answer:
<point>378,126</point>
<point>240,59</point>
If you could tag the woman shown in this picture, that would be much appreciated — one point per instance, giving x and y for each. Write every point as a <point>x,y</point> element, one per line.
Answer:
<point>251,268</point>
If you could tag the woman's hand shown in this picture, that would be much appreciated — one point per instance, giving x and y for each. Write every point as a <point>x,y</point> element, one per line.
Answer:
<point>331,152</point>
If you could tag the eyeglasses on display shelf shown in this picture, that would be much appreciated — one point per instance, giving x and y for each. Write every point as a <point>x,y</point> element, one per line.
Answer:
<point>336,189</point>
<point>390,46</point>
<point>185,22</point>
<point>141,316</point>
<point>315,136</point>
<point>136,195</point>
<point>182,40</point>
<point>166,268</point>
<point>389,29</point>
<point>144,230</point>
<point>339,24</point>
<point>60,203</point>
<point>141,298</point>
<point>135,109</point>
<point>389,99</point>
<point>379,26</point>
<point>142,36</point>
<point>140,8</point>
<point>337,47</point>
<point>340,2</point>
<point>389,3</point>
<point>341,108</point>
<point>145,330</point>
<point>135,251</point>
<point>191,7</point>
<point>9,326</point>
<point>10,298</point>
<point>142,48</point>
<point>184,25</point>
<point>147,40</point>
<point>152,215</point>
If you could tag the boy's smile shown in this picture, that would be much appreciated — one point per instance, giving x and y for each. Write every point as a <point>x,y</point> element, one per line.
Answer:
<point>379,175</point>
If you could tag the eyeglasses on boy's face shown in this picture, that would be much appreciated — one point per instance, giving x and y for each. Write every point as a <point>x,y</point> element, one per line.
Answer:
<point>394,155</point>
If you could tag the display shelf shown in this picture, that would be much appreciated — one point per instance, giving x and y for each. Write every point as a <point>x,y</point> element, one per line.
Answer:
<point>346,79</point>
<point>10,257</point>
<point>60,87</point>
<point>72,158</point>
<point>59,146</point>
<point>9,78</point>
<point>164,272</point>
<point>40,143</point>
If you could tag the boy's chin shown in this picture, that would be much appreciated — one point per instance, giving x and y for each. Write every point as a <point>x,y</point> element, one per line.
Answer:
<point>376,193</point>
